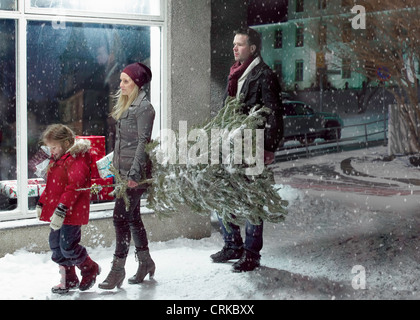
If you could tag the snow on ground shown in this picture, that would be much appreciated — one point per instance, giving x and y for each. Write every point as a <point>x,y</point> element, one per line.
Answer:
<point>325,249</point>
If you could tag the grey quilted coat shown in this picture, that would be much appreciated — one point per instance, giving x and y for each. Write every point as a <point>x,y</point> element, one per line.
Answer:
<point>132,132</point>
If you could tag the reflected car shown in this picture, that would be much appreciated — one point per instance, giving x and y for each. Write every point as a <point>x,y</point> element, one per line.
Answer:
<point>300,119</point>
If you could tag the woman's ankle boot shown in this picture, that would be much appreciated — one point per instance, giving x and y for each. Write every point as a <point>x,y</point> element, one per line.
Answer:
<point>146,266</point>
<point>116,276</point>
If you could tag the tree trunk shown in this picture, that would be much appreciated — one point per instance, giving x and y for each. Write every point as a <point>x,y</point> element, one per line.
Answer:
<point>401,138</point>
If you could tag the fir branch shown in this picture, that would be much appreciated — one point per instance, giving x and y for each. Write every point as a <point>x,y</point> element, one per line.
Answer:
<point>224,188</point>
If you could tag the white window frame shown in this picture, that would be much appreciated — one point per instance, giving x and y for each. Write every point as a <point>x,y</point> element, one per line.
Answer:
<point>158,57</point>
<point>80,13</point>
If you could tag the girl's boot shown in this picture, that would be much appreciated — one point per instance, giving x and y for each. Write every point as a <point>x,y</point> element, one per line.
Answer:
<point>116,276</point>
<point>146,266</point>
<point>68,280</point>
<point>89,270</point>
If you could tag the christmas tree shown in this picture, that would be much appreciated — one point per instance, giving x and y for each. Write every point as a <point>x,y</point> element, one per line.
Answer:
<point>223,185</point>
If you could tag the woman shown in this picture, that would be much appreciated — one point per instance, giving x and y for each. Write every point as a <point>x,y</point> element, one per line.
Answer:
<point>134,117</point>
<point>66,207</point>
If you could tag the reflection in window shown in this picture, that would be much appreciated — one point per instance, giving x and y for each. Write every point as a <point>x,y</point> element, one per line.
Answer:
<point>299,35</point>
<point>322,4</point>
<point>289,109</point>
<point>299,5</point>
<point>8,4</point>
<point>346,32</point>
<point>278,70</point>
<point>72,79</point>
<point>7,108</point>
<point>73,71</point>
<point>278,39</point>
<point>346,68</point>
<point>143,7</point>
<point>299,70</point>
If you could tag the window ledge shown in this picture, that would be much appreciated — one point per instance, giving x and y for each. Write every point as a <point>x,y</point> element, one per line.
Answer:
<point>33,221</point>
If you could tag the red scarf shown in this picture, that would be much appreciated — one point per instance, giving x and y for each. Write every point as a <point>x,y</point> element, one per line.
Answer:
<point>236,71</point>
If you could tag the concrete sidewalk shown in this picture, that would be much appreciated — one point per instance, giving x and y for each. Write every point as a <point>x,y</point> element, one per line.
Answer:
<point>365,178</point>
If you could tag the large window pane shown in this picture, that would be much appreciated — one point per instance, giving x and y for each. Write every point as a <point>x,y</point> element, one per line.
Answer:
<point>73,72</point>
<point>7,112</point>
<point>142,7</point>
<point>8,4</point>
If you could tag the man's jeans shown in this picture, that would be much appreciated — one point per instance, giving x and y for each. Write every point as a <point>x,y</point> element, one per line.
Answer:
<point>64,243</point>
<point>253,237</point>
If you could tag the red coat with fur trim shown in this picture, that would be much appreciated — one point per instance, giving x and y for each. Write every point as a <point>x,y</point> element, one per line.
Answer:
<point>64,177</point>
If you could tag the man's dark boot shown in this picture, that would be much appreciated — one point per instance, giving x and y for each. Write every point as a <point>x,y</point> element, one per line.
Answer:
<point>248,262</point>
<point>227,254</point>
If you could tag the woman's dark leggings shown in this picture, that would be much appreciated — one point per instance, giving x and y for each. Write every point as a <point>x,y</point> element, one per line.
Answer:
<point>129,224</point>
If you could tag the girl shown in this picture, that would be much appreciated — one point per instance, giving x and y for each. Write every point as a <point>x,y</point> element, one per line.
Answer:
<point>134,115</point>
<point>67,208</point>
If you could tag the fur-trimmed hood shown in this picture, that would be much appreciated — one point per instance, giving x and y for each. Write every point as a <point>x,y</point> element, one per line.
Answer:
<point>65,177</point>
<point>80,146</point>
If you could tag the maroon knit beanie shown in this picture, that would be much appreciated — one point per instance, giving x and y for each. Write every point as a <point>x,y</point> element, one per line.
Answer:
<point>139,73</point>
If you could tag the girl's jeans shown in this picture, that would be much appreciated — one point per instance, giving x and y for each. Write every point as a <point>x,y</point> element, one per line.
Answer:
<point>128,224</point>
<point>64,243</point>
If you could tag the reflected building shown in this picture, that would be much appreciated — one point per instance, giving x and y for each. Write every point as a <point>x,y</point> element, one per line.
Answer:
<point>295,48</point>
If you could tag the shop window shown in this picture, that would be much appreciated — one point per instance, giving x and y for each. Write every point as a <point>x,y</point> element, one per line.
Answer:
<point>142,7</point>
<point>70,76</point>
<point>7,109</point>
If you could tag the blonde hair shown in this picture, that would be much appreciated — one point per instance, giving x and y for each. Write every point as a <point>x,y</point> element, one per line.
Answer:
<point>60,133</point>
<point>123,102</point>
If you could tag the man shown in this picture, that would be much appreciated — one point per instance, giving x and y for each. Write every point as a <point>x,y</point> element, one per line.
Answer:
<point>251,79</point>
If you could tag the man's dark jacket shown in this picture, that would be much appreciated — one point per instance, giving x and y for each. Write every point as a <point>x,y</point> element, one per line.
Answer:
<point>262,87</point>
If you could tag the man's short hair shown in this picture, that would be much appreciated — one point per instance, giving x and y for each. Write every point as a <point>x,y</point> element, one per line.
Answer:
<point>254,38</point>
